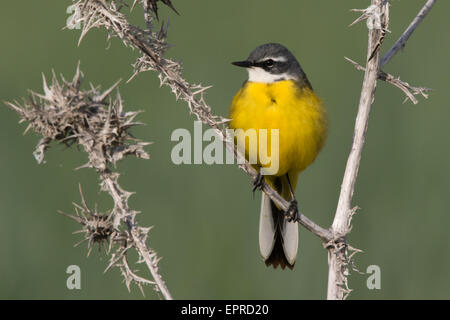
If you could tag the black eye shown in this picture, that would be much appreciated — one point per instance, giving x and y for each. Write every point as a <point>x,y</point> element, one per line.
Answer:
<point>268,63</point>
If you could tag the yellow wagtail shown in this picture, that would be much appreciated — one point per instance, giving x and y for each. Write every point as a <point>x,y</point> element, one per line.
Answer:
<point>279,96</point>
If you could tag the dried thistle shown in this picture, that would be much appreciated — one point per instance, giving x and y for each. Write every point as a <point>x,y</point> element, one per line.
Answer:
<point>96,121</point>
<point>90,118</point>
<point>97,228</point>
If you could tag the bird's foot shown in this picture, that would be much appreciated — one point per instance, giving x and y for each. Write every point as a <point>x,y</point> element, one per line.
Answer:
<point>292,214</point>
<point>258,182</point>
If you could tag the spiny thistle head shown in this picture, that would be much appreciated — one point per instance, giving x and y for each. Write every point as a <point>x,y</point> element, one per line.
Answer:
<point>98,228</point>
<point>67,114</point>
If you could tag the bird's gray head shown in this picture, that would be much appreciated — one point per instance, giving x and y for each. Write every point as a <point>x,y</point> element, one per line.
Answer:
<point>272,62</point>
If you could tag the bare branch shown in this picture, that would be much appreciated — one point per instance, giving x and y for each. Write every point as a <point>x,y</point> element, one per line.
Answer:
<point>401,42</point>
<point>409,90</point>
<point>138,234</point>
<point>337,255</point>
<point>340,262</point>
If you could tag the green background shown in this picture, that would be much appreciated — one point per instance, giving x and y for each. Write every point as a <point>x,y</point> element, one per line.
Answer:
<point>205,217</point>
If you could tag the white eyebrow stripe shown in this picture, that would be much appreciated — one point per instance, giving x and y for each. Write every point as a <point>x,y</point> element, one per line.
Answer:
<point>277,59</point>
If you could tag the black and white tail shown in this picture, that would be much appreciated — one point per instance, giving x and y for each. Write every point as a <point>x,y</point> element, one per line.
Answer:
<point>278,238</point>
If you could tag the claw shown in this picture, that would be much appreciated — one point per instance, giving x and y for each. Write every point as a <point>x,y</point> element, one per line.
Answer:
<point>292,213</point>
<point>258,182</point>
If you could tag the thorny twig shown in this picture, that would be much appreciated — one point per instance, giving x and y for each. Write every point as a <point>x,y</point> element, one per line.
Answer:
<point>99,124</point>
<point>377,15</point>
<point>401,42</point>
<point>410,91</point>
<point>407,89</point>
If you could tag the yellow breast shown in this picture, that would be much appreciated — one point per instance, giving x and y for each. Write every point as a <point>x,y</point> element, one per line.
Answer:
<point>296,112</point>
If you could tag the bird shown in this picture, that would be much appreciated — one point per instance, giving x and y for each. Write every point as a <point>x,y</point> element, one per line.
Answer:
<point>278,95</point>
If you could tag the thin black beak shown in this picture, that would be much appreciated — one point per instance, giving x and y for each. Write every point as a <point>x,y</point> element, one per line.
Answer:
<point>244,64</point>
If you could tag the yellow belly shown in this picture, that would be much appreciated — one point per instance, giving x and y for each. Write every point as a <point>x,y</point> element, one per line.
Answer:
<point>296,112</point>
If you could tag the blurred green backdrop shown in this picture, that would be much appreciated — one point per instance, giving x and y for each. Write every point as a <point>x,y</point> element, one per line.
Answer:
<point>205,217</point>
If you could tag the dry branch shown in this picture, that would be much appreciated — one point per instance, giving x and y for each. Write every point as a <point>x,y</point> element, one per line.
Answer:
<point>338,255</point>
<point>401,42</point>
<point>98,123</point>
<point>407,89</point>
<point>377,14</point>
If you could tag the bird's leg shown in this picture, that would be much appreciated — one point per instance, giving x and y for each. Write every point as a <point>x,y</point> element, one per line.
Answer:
<point>258,182</point>
<point>292,213</point>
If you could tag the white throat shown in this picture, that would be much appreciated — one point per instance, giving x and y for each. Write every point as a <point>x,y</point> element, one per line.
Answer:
<point>256,74</point>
